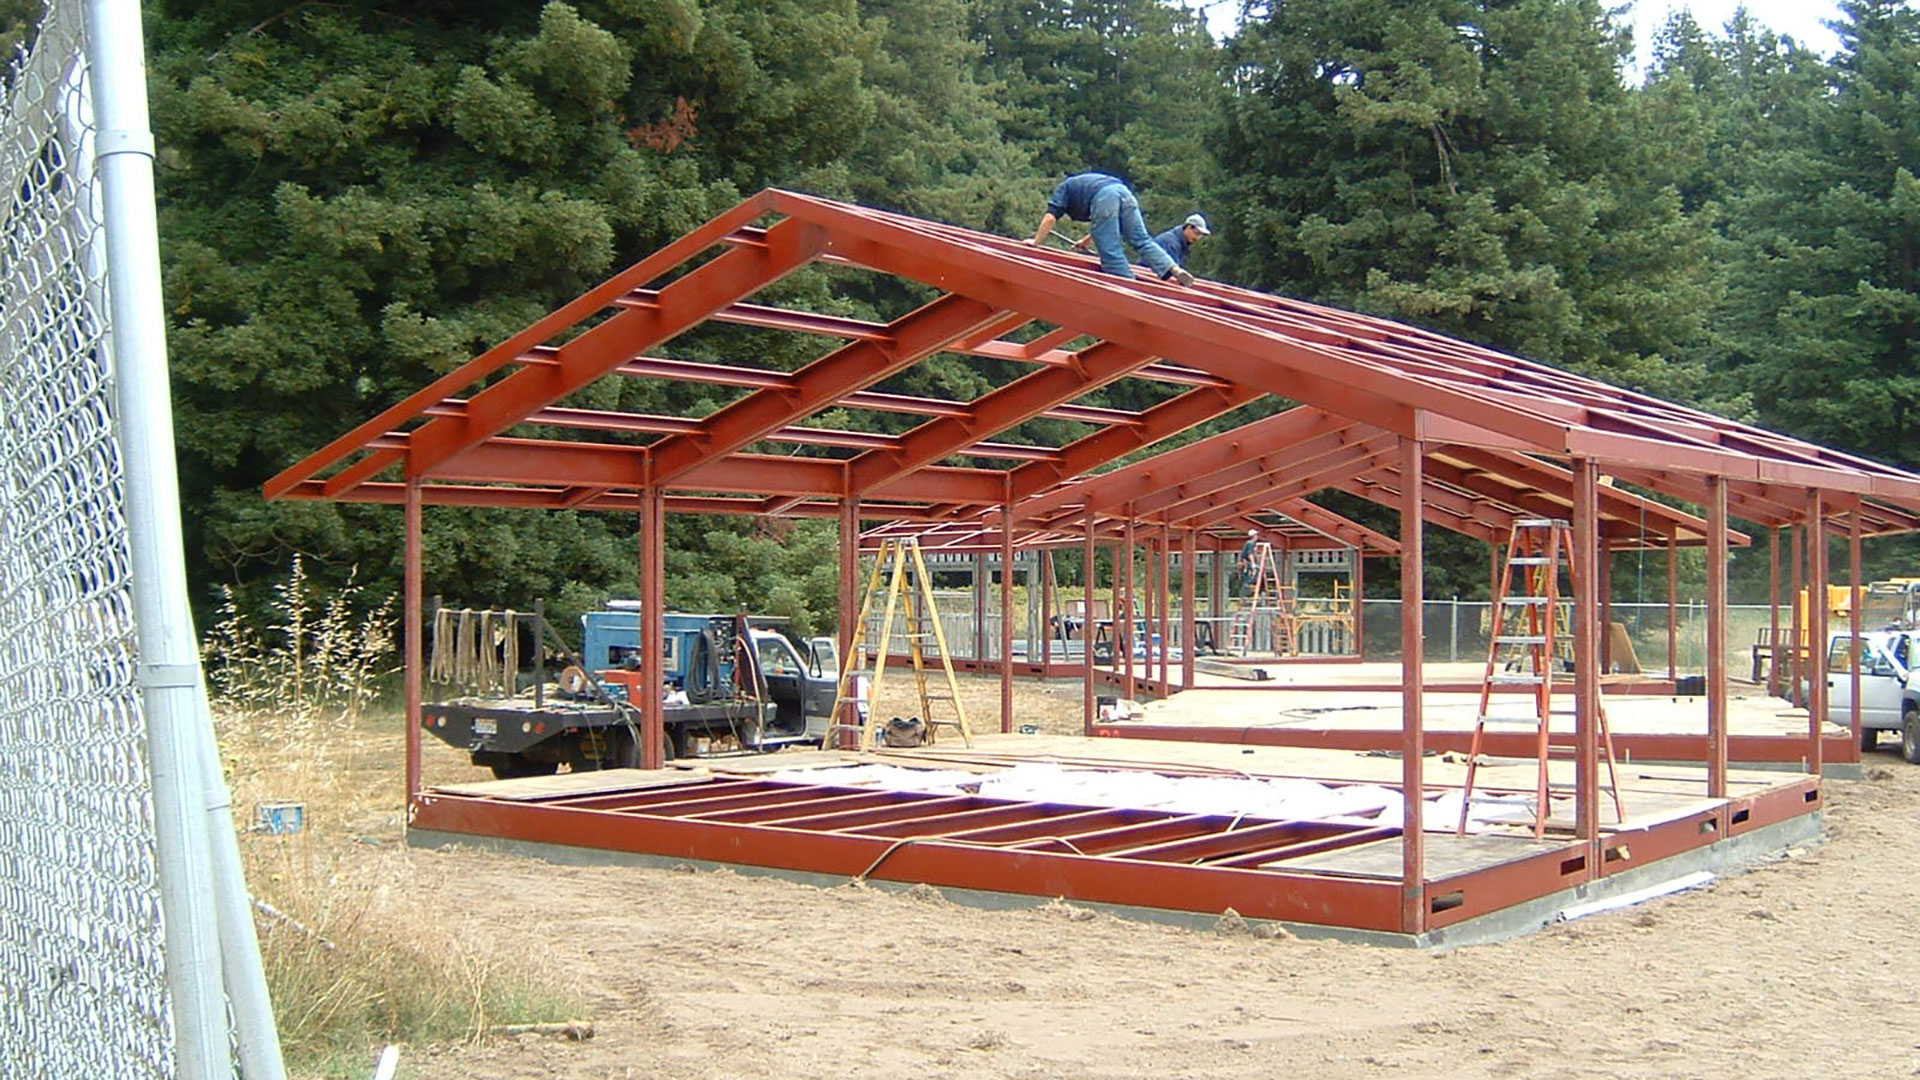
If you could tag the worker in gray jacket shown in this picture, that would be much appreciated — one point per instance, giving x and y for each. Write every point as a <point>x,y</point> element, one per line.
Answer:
<point>1178,241</point>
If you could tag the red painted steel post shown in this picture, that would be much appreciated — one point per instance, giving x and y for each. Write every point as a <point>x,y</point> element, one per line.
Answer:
<point>1359,603</point>
<point>653,627</point>
<point>1817,633</point>
<point>1603,558</point>
<point>1801,619</point>
<point>1857,598</point>
<point>1164,602</point>
<point>1716,638</point>
<point>1586,658</point>
<point>1773,611</point>
<point>1006,613</point>
<point>1123,638</point>
<point>1047,604</point>
<point>1087,630</point>
<point>848,714</point>
<point>1413,899</point>
<point>1189,553</point>
<point>982,577</point>
<point>413,599</point>
<point>1673,608</point>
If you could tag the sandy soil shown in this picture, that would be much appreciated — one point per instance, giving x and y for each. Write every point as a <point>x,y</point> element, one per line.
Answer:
<point>1796,968</point>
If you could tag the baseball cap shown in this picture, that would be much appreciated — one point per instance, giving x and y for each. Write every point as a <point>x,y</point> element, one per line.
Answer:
<point>1199,223</point>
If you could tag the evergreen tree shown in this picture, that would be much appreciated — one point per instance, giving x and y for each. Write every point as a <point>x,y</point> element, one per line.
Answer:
<point>1477,167</point>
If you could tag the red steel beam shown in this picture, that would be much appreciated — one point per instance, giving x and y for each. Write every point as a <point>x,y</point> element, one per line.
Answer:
<point>586,306</point>
<point>853,367</point>
<point>997,411</point>
<point>598,352</point>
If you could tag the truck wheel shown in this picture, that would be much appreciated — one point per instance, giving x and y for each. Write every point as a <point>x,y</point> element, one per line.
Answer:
<point>1910,735</point>
<point>1869,738</point>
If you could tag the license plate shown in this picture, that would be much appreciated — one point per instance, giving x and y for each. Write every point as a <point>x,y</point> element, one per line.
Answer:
<point>482,726</point>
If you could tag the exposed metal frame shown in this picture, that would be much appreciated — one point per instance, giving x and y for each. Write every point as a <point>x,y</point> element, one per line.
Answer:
<point>1446,432</point>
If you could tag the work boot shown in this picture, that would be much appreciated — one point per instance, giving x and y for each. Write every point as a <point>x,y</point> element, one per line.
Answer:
<point>1180,274</point>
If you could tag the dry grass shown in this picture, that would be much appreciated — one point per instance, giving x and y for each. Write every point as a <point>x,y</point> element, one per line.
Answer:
<point>355,957</point>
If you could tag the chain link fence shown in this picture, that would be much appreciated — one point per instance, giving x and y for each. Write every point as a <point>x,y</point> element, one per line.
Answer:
<point>88,893</point>
<point>1457,632</point>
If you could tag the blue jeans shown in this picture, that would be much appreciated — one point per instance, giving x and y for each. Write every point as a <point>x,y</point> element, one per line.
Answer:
<point>1116,215</point>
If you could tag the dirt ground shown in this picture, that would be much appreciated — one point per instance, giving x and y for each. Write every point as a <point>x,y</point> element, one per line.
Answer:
<point>1798,967</point>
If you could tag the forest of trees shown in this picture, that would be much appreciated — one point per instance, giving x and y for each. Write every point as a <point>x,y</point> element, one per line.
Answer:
<point>358,197</point>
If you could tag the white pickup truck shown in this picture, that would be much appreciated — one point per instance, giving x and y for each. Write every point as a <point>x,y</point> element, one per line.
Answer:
<point>1889,690</point>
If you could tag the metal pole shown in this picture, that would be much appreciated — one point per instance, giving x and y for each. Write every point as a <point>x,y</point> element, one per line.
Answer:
<point>1123,639</point>
<point>1855,617</point>
<point>1189,554</point>
<point>1359,603</point>
<point>1773,611</point>
<point>1586,658</point>
<point>1817,636</point>
<point>1673,608</point>
<point>411,589</point>
<point>1603,558</point>
<point>1413,902</point>
<point>1048,602</point>
<point>1453,631</point>
<point>180,740</point>
<point>1006,612</point>
<point>1801,618</point>
<point>653,626</point>
<point>1716,637</point>
<point>848,716</point>
<point>982,579</point>
<point>1086,630</point>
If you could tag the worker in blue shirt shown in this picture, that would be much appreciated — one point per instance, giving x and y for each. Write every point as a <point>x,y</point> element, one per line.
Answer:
<point>1108,205</point>
<point>1178,241</point>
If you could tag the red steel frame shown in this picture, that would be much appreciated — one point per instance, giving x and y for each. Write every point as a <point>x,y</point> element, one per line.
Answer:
<point>1447,433</point>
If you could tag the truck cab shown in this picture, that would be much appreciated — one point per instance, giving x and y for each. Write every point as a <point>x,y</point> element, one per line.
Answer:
<point>1887,701</point>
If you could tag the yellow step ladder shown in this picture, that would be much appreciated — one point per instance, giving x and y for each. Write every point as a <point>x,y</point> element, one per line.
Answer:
<point>909,592</point>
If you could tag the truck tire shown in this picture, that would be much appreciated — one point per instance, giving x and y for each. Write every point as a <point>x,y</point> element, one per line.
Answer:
<point>1869,738</point>
<point>1910,735</point>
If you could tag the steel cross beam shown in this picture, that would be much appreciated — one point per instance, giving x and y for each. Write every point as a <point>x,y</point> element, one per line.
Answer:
<point>1660,519</point>
<point>1232,481</point>
<point>1616,516</point>
<point>821,384</point>
<point>1338,526</point>
<point>594,301</point>
<point>1468,517</point>
<point>1162,421</point>
<point>1152,319</point>
<point>598,352</point>
<point>1356,460</point>
<point>996,411</point>
<point>1192,461</point>
<point>654,367</point>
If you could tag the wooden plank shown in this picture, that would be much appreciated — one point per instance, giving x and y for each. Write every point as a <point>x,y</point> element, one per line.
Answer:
<point>560,785</point>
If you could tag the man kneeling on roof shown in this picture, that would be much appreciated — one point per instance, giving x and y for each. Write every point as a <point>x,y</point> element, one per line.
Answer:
<point>1111,210</point>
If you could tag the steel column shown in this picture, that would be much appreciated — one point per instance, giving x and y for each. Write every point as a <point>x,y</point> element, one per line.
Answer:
<point>1817,633</point>
<point>1006,617</point>
<point>1802,620</point>
<point>1603,559</point>
<point>1359,603</point>
<point>1673,609</point>
<point>653,627</point>
<point>1123,627</point>
<point>1413,899</point>
<point>1716,638</point>
<point>1164,593</point>
<point>1856,601</point>
<point>1586,658</point>
<point>982,580</point>
<point>1189,554</point>
<point>413,600</point>
<point>1086,630</point>
<point>848,715</point>
<point>1773,611</point>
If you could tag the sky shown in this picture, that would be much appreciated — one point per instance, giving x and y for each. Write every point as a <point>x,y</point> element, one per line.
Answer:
<point>1799,19</point>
